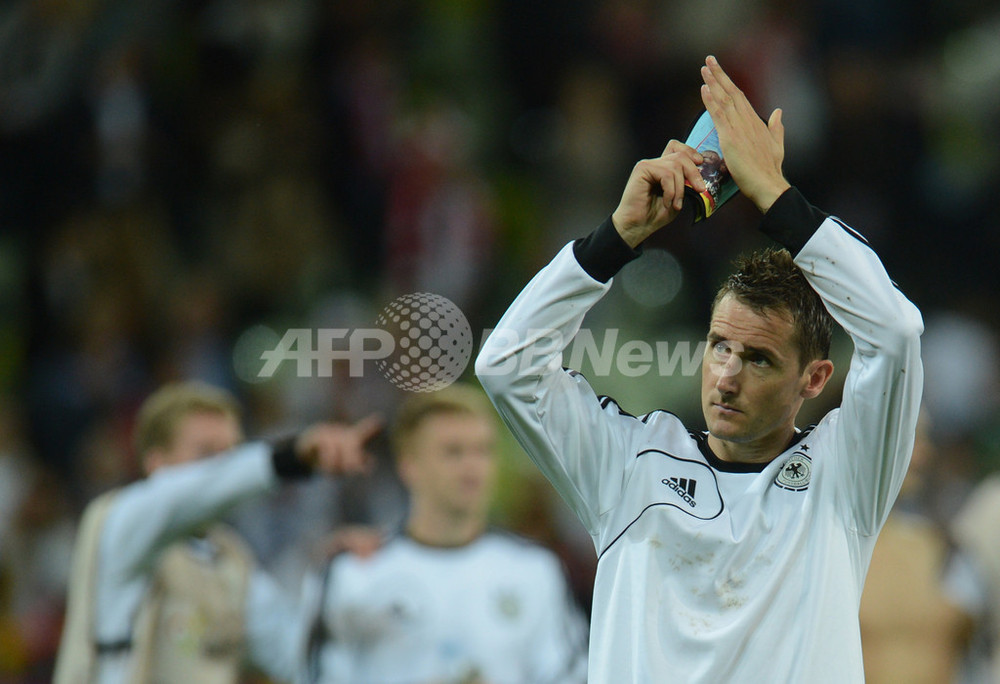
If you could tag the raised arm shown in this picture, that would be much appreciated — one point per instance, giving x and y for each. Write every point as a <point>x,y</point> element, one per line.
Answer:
<point>578,440</point>
<point>174,501</point>
<point>881,398</point>
<point>878,415</point>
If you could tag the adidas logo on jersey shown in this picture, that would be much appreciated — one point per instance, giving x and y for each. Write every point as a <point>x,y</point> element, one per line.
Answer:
<point>684,487</point>
<point>693,486</point>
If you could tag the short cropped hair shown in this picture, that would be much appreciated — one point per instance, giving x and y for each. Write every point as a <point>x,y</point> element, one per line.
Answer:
<point>768,280</point>
<point>162,412</point>
<point>457,399</point>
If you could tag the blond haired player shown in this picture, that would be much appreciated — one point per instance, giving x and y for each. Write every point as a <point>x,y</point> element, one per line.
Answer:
<point>448,600</point>
<point>160,592</point>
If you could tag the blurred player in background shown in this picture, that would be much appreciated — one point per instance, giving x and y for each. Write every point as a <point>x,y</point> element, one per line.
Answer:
<point>737,554</point>
<point>911,629</point>
<point>973,578</point>
<point>447,600</point>
<point>162,593</point>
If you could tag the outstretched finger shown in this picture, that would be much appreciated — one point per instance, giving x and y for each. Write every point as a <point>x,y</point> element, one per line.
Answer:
<point>716,71</point>
<point>345,454</point>
<point>368,427</point>
<point>355,460</point>
<point>725,102</point>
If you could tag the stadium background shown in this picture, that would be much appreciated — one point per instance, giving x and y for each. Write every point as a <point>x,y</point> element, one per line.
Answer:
<point>182,180</point>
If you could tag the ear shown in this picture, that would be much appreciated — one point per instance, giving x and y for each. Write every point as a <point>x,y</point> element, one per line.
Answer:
<point>405,468</point>
<point>816,375</point>
<point>152,459</point>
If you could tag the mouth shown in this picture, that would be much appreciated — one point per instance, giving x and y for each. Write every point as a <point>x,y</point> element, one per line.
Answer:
<point>726,409</point>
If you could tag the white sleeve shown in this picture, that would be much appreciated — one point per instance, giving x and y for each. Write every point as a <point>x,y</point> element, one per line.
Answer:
<point>964,585</point>
<point>174,501</point>
<point>559,644</point>
<point>274,629</point>
<point>881,398</point>
<point>332,655</point>
<point>578,444</point>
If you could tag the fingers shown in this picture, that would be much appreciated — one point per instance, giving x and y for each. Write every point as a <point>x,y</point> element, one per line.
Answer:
<point>677,166</point>
<point>715,75</point>
<point>721,97</point>
<point>369,426</point>
<point>676,185</point>
<point>677,147</point>
<point>776,127</point>
<point>725,102</point>
<point>665,178</point>
<point>692,174</point>
<point>336,449</point>
<point>753,149</point>
<point>654,194</point>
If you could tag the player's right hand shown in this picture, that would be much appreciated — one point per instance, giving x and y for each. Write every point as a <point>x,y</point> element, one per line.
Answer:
<point>754,150</point>
<point>654,193</point>
<point>337,448</point>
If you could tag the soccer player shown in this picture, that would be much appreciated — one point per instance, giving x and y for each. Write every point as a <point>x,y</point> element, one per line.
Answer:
<point>161,593</point>
<point>737,554</point>
<point>912,629</point>
<point>973,576</point>
<point>447,601</point>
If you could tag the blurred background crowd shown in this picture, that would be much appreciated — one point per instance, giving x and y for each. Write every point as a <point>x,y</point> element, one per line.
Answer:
<point>181,181</point>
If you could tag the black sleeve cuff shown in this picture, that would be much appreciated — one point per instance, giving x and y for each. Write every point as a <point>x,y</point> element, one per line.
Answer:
<point>603,253</point>
<point>791,220</point>
<point>286,462</point>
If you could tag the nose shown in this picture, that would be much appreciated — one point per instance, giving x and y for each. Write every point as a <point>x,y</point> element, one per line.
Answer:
<point>727,374</point>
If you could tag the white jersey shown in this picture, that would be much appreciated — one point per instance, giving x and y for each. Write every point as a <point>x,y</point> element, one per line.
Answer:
<point>495,610</point>
<point>711,571</point>
<point>147,517</point>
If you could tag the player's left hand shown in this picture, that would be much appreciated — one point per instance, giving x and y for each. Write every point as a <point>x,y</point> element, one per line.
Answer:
<point>753,150</point>
<point>339,449</point>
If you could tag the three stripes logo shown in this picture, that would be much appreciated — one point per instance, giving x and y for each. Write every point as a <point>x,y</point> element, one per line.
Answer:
<point>684,487</point>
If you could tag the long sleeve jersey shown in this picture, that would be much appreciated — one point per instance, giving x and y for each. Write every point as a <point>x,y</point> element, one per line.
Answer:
<point>714,571</point>
<point>147,519</point>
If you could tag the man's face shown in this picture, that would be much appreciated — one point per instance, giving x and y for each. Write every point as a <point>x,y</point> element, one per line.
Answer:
<point>197,435</point>
<point>449,463</point>
<point>752,381</point>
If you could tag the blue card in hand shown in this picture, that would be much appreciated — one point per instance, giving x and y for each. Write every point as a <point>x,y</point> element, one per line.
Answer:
<point>720,186</point>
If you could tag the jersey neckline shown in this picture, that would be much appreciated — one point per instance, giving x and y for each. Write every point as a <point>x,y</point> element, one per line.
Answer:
<point>701,439</point>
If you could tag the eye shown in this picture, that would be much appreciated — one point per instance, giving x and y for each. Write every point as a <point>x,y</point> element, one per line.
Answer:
<point>759,360</point>
<point>721,349</point>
